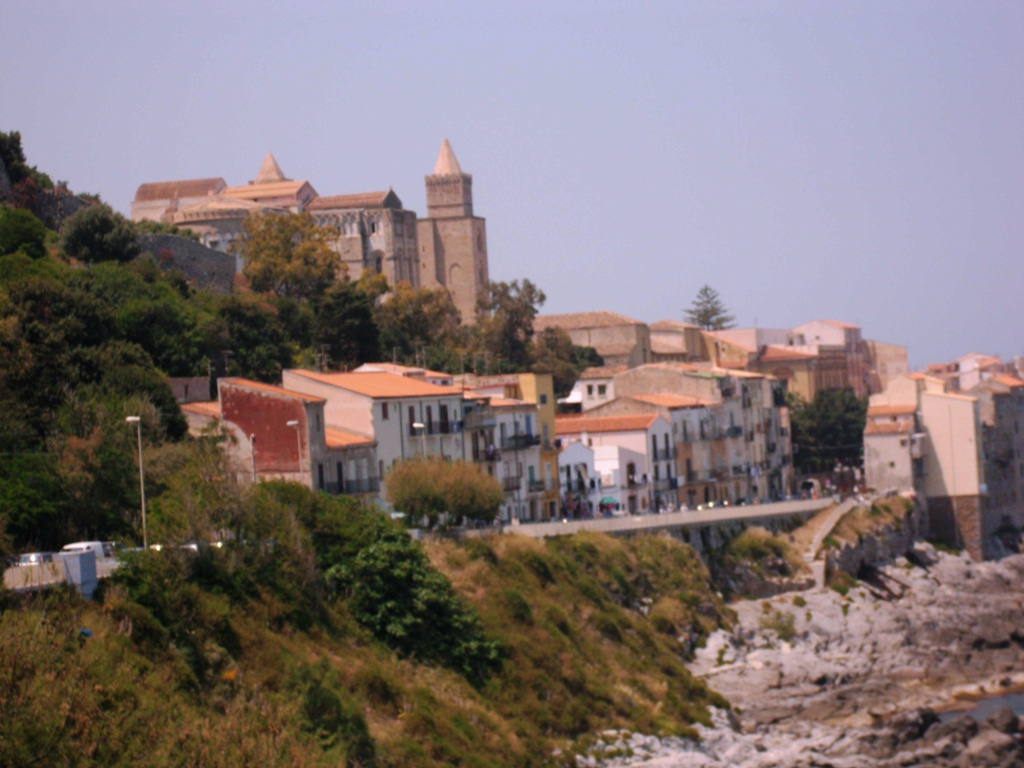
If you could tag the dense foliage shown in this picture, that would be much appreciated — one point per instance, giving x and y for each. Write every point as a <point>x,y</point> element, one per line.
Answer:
<point>829,430</point>
<point>432,489</point>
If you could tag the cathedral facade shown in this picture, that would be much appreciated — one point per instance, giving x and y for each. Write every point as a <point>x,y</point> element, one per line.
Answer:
<point>370,231</point>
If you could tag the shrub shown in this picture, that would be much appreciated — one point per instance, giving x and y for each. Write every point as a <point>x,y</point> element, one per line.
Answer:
<point>96,234</point>
<point>392,590</point>
<point>782,623</point>
<point>20,230</point>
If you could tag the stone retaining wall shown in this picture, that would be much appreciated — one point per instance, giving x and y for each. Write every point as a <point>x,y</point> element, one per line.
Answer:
<point>879,547</point>
<point>203,268</point>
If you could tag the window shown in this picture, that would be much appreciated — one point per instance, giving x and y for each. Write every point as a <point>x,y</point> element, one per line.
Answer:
<point>602,390</point>
<point>384,411</point>
<point>590,390</point>
<point>543,398</point>
<point>412,415</point>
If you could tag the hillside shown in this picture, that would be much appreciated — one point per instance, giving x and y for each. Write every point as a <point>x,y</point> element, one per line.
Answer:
<point>233,657</point>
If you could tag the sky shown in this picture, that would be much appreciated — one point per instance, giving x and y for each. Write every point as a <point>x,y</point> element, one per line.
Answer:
<point>856,161</point>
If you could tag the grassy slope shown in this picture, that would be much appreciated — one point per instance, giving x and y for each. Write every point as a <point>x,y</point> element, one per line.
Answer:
<point>591,628</point>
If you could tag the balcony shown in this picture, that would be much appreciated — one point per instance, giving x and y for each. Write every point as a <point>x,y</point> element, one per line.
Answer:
<point>477,420</point>
<point>739,469</point>
<point>535,486</point>
<point>663,454</point>
<point>511,484</point>
<point>365,485</point>
<point>636,482</point>
<point>449,427</point>
<point>519,442</point>
<point>734,431</point>
<point>664,484</point>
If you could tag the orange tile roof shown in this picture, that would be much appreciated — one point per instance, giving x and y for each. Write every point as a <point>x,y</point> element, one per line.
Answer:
<point>211,408</point>
<point>840,323</point>
<point>730,342</point>
<point>270,189</point>
<point>359,200</point>
<point>249,384</point>
<point>380,385</point>
<point>891,410</point>
<point>989,362</point>
<point>578,320</point>
<point>602,371</point>
<point>670,400</point>
<point>888,428</point>
<point>169,190</point>
<point>777,354</point>
<point>570,425</point>
<point>404,370</point>
<point>1008,380</point>
<point>335,437</point>
<point>673,325</point>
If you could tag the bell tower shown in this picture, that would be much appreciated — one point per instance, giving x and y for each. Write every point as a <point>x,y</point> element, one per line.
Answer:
<point>452,241</point>
<point>449,190</point>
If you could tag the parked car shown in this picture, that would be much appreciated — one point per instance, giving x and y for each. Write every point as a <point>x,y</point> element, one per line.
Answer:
<point>96,547</point>
<point>34,558</point>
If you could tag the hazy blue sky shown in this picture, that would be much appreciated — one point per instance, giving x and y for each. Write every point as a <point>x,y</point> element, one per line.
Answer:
<point>862,161</point>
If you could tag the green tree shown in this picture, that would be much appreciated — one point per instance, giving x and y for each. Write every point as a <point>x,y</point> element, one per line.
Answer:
<point>97,233</point>
<point>288,255</point>
<point>250,336</point>
<point>18,169</point>
<point>708,311</point>
<point>414,319</point>
<point>505,313</point>
<point>829,430</point>
<point>426,489</point>
<point>21,230</point>
<point>344,326</point>
<point>554,353</point>
<point>392,590</point>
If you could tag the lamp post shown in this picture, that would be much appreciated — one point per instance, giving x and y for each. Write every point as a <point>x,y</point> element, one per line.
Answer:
<point>423,436</point>
<point>142,477</point>
<point>298,443</point>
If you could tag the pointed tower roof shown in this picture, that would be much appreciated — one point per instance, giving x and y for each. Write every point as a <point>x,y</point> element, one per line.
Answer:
<point>270,171</point>
<point>446,164</point>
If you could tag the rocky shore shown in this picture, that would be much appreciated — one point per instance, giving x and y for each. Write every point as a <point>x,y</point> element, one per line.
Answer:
<point>819,678</point>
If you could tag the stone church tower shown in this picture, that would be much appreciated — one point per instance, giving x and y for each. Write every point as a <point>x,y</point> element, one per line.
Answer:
<point>452,241</point>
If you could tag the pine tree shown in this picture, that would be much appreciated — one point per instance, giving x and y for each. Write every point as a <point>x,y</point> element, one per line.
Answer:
<point>708,311</point>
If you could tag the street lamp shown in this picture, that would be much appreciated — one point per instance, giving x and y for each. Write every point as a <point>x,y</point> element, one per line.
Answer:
<point>423,436</point>
<point>142,478</point>
<point>298,442</point>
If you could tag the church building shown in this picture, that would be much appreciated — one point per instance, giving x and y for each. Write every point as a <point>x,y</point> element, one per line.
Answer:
<point>371,230</point>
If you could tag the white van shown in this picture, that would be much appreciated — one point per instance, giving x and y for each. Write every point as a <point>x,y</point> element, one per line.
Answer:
<point>96,547</point>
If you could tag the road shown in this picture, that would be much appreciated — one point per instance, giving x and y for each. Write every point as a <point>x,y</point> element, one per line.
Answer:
<point>674,520</point>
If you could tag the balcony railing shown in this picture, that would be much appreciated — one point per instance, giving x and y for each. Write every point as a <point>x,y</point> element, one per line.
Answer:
<point>535,486</point>
<point>664,484</point>
<point>474,420</point>
<point>449,427</point>
<point>663,454</point>
<point>509,484</point>
<point>519,442</point>
<point>636,482</point>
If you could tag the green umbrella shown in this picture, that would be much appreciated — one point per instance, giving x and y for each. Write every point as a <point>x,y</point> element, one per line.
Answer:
<point>609,500</point>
